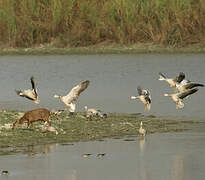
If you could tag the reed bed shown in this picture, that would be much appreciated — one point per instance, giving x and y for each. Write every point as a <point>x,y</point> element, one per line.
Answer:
<point>78,23</point>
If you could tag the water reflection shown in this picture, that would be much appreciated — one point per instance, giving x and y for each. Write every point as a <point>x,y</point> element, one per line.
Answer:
<point>170,156</point>
<point>178,168</point>
<point>143,169</point>
<point>72,175</point>
<point>142,143</point>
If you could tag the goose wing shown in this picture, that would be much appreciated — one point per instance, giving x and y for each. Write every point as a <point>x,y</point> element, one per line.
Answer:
<point>141,91</point>
<point>162,75</point>
<point>192,85</point>
<point>179,78</point>
<point>187,93</point>
<point>26,93</point>
<point>33,83</point>
<point>148,99</point>
<point>76,91</point>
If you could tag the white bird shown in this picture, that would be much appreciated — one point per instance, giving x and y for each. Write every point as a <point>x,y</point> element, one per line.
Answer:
<point>144,96</point>
<point>172,81</point>
<point>178,97</point>
<point>186,85</point>
<point>30,93</point>
<point>142,131</point>
<point>94,112</point>
<point>90,112</point>
<point>70,99</point>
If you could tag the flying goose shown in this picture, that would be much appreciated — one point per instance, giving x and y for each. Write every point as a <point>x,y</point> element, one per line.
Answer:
<point>144,96</point>
<point>30,93</point>
<point>70,99</point>
<point>172,81</point>
<point>177,97</point>
<point>142,131</point>
<point>186,84</point>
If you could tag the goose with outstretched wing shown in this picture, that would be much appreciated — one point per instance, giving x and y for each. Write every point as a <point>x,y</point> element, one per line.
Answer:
<point>70,99</point>
<point>144,96</point>
<point>186,85</point>
<point>30,93</point>
<point>178,97</point>
<point>172,81</point>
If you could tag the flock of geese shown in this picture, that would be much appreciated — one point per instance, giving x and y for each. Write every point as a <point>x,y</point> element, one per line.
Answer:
<point>182,89</point>
<point>69,100</point>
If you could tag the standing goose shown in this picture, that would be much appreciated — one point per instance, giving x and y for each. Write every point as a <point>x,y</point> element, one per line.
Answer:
<point>172,81</point>
<point>94,112</point>
<point>70,99</point>
<point>177,97</point>
<point>144,96</point>
<point>142,131</point>
<point>90,112</point>
<point>30,93</point>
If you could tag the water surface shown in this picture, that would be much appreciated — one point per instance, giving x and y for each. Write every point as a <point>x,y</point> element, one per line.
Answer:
<point>170,156</point>
<point>114,78</point>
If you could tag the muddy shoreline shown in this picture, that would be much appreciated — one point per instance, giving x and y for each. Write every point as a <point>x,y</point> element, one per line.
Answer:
<point>77,128</point>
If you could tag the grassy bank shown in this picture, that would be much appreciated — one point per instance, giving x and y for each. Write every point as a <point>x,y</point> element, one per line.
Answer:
<point>78,128</point>
<point>81,23</point>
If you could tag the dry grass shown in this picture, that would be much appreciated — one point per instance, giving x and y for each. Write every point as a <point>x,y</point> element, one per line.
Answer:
<point>74,23</point>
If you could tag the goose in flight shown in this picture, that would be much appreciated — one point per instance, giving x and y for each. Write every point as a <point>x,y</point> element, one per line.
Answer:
<point>172,81</point>
<point>142,131</point>
<point>178,97</point>
<point>144,96</point>
<point>30,93</point>
<point>70,99</point>
<point>186,85</point>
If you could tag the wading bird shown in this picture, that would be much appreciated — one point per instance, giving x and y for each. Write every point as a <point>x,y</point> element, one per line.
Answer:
<point>144,96</point>
<point>70,99</point>
<point>30,93</point>
<point>142,131</point>
<point>178,97</point>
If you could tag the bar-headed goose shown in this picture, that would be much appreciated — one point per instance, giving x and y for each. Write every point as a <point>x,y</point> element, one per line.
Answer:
<point>186,84</point>
<point>30,93</point>
<point>142,131</point>
<point>177,97</point>
<point>70,99</point>
<point>94,112</point>
<point>144,96</point>
<point>172,81</point>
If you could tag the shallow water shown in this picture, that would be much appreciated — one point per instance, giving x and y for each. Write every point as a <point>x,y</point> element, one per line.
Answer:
<point>170,156</point>
<point>114,78</point>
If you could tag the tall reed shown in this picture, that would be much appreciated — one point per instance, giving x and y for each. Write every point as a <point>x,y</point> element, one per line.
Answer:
<point>25,23</point>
